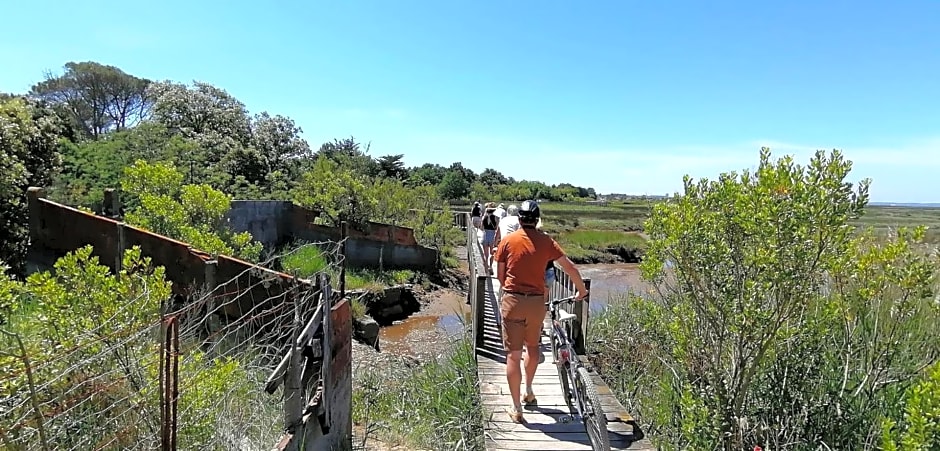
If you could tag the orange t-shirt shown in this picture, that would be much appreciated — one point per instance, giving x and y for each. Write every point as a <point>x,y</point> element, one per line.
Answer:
<point>526,252</point>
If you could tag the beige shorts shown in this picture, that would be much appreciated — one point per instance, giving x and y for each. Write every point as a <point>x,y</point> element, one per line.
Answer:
<point>522,317</point>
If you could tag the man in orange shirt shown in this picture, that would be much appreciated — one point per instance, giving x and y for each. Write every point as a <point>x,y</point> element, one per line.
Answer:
<point>521,258</point>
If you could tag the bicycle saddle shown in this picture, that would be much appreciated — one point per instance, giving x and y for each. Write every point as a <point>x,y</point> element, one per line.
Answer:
<point>564,316</point>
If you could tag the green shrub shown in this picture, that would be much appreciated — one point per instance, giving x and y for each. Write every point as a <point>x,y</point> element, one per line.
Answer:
<point>194,214</point>
<point>919,428</point>
<point>775,322</point>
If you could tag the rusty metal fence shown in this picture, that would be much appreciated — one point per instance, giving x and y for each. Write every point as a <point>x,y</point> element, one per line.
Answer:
<point>138,369</point>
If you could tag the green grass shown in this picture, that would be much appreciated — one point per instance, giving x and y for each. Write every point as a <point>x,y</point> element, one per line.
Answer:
<point>373,280</point>
<point>625,215</point>
<point>449,258</point>
<point>358,309</point>
<point>603,239</point>
<point>432,406</point>
<point>590,246</point>
<point>622,215</point>
<point>884,218</point>
<point>305,261</point>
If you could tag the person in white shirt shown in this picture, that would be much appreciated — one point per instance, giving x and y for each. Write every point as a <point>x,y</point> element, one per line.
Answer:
<point>509,224</point>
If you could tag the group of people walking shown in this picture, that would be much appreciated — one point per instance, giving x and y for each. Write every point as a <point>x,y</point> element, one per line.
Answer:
<point>525,257</point>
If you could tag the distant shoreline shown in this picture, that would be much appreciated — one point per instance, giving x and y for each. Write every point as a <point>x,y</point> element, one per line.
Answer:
<point>906,204</point>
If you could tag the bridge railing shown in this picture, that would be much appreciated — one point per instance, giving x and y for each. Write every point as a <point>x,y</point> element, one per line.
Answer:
<point>562,287</point>
<point>461,218</point>
<point>577,328</point>
<point>476,293</point>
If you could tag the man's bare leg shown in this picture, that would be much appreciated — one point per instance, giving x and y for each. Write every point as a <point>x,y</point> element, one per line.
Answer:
<point>514,377</point>
<point>531,365</point>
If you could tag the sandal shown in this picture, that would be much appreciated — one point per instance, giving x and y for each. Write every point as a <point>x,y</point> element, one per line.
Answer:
<point>514,414</point>
<point>529,399</point>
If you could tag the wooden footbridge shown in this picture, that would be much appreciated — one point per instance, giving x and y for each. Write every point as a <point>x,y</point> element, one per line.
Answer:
<point>543,428</point>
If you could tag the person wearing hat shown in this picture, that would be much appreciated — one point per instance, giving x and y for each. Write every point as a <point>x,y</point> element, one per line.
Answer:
<point>521,259</point>
<point>501,211</point>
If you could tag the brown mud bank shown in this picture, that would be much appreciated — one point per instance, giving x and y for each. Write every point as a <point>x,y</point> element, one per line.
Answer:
<point>415,319</point>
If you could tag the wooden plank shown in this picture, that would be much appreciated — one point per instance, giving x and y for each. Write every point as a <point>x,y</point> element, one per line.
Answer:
<point>546,424</point>
<point>549,414</point>
<point>275,379</point>
<point>544,371</point>
<point>549,398</point>
<point>560,445</point>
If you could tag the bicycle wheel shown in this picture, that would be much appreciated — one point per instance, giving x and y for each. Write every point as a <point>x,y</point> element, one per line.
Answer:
<point>594,420</point>
<point>562,373</point>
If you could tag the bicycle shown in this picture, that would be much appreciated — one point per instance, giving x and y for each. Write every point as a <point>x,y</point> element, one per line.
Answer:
<point>583,399</point>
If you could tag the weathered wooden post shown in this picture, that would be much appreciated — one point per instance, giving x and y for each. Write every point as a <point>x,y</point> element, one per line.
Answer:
<point>326,374</point>
<point>293,392</point>
<point>583,311</point>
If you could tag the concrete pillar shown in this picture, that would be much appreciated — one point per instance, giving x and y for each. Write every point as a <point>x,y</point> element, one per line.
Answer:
<point>112,203</point>
<point>33,194</point>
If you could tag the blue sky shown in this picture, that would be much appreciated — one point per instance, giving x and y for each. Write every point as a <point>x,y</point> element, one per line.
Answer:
<point>624,96</point>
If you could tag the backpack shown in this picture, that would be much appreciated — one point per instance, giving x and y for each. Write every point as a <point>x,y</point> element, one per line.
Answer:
<point>490,221</point>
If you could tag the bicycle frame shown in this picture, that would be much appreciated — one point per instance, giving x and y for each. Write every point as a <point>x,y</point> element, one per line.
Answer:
<point>580,393</point>
<point>568,358</point>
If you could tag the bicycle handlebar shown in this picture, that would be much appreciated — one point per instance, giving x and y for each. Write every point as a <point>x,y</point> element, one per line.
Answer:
<point>553,302</point>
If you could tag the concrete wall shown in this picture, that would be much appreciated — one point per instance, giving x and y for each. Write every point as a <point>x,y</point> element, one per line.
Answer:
<point>276,223</point>
<point>264,219</point>
<point>57,229</point>
<point>369,253</point>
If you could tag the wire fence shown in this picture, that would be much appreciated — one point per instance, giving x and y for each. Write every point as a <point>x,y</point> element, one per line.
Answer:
<point>124,365</point>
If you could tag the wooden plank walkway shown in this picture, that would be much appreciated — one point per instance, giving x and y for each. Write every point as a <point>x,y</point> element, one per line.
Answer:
<point>541,429</point>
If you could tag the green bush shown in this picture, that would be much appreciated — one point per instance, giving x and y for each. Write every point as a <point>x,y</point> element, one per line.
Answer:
<point>194,214</point>
<point>91,341</point>
<point>774,322</point>
<point>919,428</point>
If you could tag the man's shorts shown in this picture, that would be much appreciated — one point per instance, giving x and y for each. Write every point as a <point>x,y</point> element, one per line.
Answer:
<point>522,317</point>
<point>476,221</point>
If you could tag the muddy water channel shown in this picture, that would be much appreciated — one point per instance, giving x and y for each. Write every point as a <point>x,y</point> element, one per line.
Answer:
<point>447,315</point>
<point>442,319</point>
<point>610,282</point>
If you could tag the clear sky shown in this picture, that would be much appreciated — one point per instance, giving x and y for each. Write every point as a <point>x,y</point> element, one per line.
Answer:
<point>621,95</point>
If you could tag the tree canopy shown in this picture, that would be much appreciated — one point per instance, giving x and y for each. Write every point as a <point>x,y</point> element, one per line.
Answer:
<point>77,131</point>
<point>96,98</point>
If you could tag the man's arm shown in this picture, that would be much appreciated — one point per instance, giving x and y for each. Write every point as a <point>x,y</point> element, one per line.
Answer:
<point>501,272</point>
<point>569,268</point>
